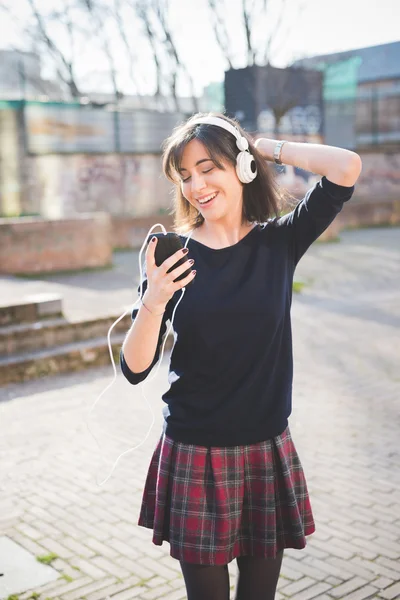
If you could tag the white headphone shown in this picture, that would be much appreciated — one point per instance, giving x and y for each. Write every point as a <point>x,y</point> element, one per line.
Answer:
<point>246,168</point>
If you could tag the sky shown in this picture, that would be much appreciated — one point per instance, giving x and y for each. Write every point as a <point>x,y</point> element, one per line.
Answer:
<point>320,27</point>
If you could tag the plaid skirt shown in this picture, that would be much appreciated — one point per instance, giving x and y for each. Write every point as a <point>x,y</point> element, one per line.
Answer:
<point>213,504</point>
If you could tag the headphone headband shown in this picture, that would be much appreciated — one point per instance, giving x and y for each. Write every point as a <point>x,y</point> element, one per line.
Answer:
<point>246,168</point>
<point>219,122</point>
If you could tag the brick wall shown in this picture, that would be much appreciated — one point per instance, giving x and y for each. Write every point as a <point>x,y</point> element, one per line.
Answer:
<point>36,245</point>
<point>357,213</point>
<point>130,232</point>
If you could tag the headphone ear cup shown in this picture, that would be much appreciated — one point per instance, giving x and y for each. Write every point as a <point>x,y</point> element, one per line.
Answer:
<point>246,169</point>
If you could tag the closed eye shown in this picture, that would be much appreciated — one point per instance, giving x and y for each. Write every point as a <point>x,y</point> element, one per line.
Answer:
<point>187,178</point>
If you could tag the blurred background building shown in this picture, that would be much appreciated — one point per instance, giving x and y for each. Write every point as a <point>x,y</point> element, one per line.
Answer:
<point>272,101</point>
<point>349,99</point>
<point>21,77</point>
<point>361,96</point>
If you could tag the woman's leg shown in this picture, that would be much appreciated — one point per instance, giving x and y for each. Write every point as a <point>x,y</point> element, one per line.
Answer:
<point>258,577</point>
<point>205,582</point>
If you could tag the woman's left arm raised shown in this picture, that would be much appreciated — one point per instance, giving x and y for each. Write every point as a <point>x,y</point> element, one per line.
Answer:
<point>340,166</point>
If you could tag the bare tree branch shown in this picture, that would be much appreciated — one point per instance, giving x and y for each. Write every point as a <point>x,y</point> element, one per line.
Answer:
<point>163,39</point>
<point>69,79</point>
<point>70,29</point>
<point>96,14</point>
<point>161,11</point>
<point>275,33</point>
<point>94,10</point>
<point>284,36</point>
<point>142,11</point>
<point>128,47</point>
<point>248,17</point>
<point>253,14</point>
<point>220,31</point>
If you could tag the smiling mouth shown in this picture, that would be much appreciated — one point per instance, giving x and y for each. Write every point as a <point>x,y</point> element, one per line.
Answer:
<point>207,199</point>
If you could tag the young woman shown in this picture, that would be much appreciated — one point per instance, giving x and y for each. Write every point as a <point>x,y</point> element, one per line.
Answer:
<point>225,480</point>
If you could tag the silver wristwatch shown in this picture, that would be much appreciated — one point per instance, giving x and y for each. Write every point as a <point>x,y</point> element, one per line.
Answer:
<point>278,152</point>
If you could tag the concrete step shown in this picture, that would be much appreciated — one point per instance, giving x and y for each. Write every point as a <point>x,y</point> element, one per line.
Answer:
<point>31,309</point>
<point>28,337</point>
<point>63,359</point>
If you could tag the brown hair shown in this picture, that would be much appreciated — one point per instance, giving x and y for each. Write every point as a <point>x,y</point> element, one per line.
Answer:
<point>262,198</point>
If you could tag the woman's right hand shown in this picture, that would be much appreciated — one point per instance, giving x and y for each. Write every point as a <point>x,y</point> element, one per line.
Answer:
<point>160,284</point>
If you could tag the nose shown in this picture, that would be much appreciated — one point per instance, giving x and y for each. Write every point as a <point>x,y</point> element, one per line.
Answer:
<point>198,182</point>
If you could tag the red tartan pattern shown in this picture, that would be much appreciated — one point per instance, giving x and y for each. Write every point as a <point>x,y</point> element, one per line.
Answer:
<point>213,504</point>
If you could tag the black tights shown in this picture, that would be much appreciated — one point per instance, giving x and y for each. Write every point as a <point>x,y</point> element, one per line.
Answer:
<point>257,579</point>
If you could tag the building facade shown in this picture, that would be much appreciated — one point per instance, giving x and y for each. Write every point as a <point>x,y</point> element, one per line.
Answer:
<point>362,110</point>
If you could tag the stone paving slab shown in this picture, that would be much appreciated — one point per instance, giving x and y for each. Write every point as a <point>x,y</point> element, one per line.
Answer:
<point>345,424</point>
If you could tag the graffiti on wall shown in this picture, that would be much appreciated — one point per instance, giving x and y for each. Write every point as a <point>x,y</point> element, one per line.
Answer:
<point>299,121</point>
<point>114,183</point>
<point>60,186</point>
<point>100,171</point>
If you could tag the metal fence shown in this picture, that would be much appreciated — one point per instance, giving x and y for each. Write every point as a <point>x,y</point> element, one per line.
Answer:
<point>378,116</point>
<point>369,120</point>
<point>63,128</point>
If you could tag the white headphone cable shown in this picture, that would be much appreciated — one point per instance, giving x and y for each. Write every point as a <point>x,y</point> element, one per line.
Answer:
<point>114,367</point>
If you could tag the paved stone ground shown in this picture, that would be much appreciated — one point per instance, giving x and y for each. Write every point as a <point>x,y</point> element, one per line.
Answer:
<point>345,424</point>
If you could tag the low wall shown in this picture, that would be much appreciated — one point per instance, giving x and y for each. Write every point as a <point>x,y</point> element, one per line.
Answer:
<point>366,214</point>
<point>130,232</point>
<point>37,245</point>
<point>357,213</point>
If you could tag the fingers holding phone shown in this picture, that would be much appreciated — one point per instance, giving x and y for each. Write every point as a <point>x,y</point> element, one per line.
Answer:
<point>173,274</point>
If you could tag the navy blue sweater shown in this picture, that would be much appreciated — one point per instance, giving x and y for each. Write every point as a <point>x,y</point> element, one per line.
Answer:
<point>231,366</point>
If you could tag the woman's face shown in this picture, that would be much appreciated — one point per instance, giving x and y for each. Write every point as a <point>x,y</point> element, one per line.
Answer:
<point>202,179</point>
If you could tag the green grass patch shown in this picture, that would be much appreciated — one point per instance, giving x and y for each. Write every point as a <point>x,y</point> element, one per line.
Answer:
<point>298,286</point>
<point>47,559</point>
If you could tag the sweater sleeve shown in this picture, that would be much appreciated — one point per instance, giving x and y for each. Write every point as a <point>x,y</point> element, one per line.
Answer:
<point>313,215</point>
<point>135,378</point>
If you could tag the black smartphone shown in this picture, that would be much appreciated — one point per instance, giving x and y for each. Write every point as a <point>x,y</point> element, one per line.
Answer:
<point>167,244</point>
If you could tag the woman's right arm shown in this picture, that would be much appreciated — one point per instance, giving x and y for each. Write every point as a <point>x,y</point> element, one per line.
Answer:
<point>141,342</point>
<point>141,348</point>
